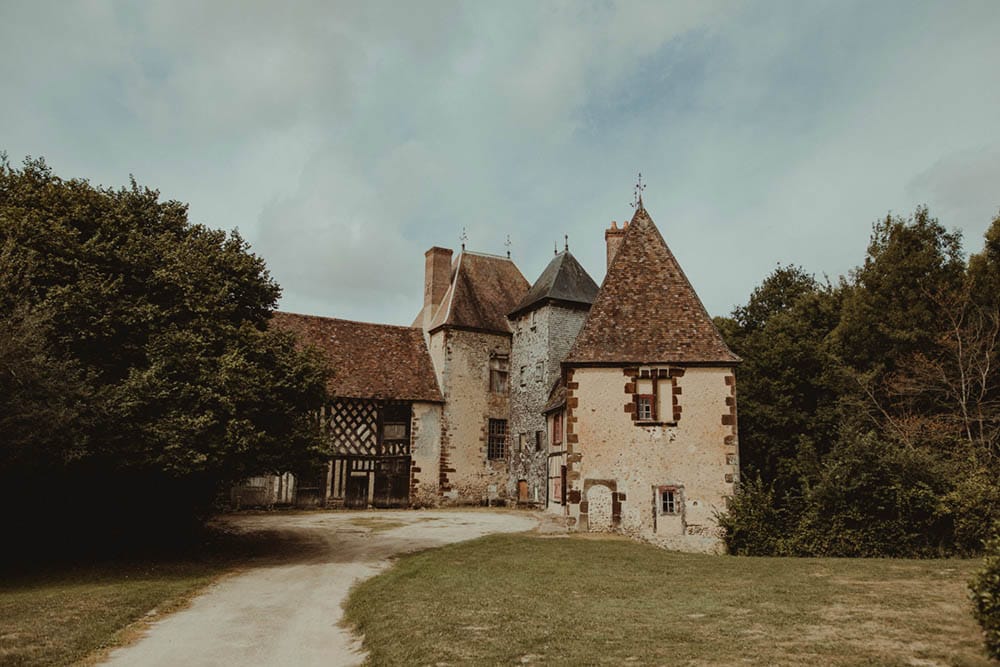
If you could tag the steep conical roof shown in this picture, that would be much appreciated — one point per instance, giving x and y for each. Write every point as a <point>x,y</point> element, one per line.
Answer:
<point>646,311</point>
<point>563,280</point>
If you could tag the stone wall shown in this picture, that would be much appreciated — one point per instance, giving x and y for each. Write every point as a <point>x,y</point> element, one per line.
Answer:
<point>425,451</point>
<point>462,359</point>
<point>541,340</point>
<point>691,451</point>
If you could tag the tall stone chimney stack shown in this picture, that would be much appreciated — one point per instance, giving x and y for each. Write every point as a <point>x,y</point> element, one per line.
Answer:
<point>437,275</point>
<point>613,237</point>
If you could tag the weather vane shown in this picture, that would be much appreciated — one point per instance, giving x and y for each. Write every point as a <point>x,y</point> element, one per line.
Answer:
<point>637,196</point>
<point>463,238</point>
<point>507,243</point>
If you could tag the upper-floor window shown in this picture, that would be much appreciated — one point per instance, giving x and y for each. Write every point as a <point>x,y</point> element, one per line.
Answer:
<point>497,443</point>
<point>524,375</point>
<point>499,373</point>
<point>539,371</point>
<point>645,407</point>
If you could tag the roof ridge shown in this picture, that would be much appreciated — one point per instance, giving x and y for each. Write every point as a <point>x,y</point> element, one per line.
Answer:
<point>343,319</point>
<point>485,254</point>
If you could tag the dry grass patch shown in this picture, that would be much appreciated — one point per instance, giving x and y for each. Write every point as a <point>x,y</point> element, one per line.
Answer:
<point>520,599</point>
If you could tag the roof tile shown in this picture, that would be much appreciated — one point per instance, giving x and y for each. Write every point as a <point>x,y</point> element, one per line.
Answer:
<point>646,310</point>
<point>374,361</point>
<point>484,288</point>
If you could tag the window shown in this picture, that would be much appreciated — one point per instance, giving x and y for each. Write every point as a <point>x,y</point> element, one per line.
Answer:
<point>394,432</point>
<point>499,372</point>
<point>644,407</point>
<point>522,442</point>
<point>497,443</point>
<point>538,441</point>
<point>524,375</point>
<point>539,371</point>
<point>557,428</point>
<point>668,501</point>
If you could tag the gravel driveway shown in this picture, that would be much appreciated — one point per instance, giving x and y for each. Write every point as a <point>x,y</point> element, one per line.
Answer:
<point>287,612</point>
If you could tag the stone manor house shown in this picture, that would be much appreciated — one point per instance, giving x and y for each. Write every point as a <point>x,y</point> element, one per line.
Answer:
<point>613,406</point>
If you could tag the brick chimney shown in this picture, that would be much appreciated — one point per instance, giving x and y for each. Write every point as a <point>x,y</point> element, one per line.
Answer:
<point>613,237</point>
<point>437,276</point>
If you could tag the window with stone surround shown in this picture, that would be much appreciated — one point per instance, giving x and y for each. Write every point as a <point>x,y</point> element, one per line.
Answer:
<point>499,373</point>
<point>645,407</point>
<point>539,371</point>
<point>669,500</point>
<point>654,396</point>
<point>497,439</point>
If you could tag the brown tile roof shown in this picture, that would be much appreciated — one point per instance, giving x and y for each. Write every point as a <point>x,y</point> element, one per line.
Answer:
<point>557,397</point>
<point>368,360</point>
<point>646,310</point>
<point>563,280</point>
<point>484,288</point>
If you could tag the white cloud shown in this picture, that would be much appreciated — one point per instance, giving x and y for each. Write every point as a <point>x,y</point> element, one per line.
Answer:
<point>344,139</point>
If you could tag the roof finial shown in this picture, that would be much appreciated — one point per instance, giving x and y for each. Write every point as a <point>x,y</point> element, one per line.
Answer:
<point>463,238</point>
<point>507,243</point>
<point>566,238</point>
<point>637,196</point>
<point>555,247</point>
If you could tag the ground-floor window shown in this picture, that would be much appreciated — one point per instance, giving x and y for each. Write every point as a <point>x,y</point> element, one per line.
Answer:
<point>497,442</point>
<point>669,500</point>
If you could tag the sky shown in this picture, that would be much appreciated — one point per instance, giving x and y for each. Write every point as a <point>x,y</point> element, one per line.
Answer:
<point>343,140</point>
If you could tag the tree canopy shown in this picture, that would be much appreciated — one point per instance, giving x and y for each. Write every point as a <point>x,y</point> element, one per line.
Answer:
<point>134,344</point>
<point>869,409</point>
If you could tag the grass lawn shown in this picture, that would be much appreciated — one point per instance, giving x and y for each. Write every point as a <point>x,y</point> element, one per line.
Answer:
<point>61,614</point>
<point>518,599</point>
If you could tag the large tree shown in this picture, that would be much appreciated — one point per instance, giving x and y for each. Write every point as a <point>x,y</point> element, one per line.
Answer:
<point>138,348</point>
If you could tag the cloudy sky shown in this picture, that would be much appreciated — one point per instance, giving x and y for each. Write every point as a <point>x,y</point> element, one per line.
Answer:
<point>344,139</point>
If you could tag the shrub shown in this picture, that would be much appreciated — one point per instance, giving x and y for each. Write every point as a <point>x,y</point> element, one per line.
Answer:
<point>986,597</point>
<point>753,526</point>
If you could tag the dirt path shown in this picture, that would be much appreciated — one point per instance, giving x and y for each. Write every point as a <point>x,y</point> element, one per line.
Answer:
<point>287,613</point>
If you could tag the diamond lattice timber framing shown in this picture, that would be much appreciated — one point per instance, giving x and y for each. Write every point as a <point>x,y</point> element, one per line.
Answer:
<point>351,426</point>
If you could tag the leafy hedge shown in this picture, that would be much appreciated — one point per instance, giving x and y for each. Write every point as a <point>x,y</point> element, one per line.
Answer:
<point>986,597</point>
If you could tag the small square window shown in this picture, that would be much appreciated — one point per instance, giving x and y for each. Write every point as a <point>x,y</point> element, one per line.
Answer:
<point>644,408</point>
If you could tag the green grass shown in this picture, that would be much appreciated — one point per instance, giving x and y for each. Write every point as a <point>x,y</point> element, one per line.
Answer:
<point>517,599</point>
<point>62,616</point>
<point>59,614</point>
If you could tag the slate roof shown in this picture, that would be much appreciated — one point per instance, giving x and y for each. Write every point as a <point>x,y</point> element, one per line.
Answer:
<point>563,280</point>
<point>374,361</point>
<point>646,310</point>
<point>484,288</point>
